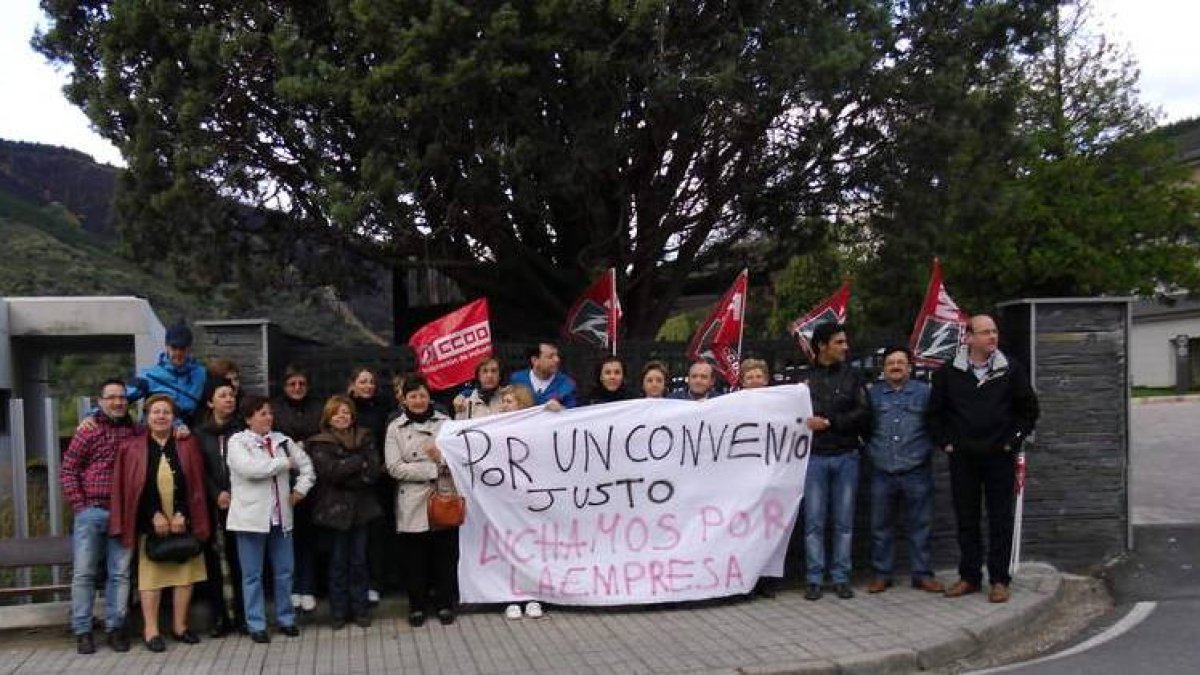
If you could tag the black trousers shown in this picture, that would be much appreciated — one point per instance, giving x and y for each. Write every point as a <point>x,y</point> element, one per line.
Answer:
<point>430,563</point>
<point>213,590</point>
<point>976,478</point>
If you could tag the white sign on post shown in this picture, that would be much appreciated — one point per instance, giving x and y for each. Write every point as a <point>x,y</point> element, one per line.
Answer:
<point>641,501</point>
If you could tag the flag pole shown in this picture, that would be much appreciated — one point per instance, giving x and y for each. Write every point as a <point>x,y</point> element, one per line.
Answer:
<point>742,318</point>
<point>612,311</point>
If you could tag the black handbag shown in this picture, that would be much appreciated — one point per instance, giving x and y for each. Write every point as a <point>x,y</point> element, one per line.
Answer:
<point>173,548</point>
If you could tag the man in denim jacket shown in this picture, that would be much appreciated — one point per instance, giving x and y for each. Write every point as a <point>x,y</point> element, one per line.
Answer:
<point>900,451</point>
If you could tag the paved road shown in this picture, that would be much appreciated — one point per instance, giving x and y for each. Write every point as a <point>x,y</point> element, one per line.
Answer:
<point>1162,575</point>
<point>1165,463</point>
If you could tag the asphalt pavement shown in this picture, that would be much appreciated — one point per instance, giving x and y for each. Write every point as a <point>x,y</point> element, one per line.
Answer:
<point>1155,625</point>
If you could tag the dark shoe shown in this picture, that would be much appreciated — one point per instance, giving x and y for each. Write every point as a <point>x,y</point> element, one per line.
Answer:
<point>961,588</point>
<point>187,637</point>
<point>117,641</point>
<point>338,623</point>
<point>84,644</point>
<point>812,592</point>
<point>1000,592</point>
<point>221,628</point>
<point>155,644</point>
<point>362,621</point>
<point>878,585</point>
<point>843,591</point>
<point>446,616</point>
<point>929,585</point>
<point>290,631</point>
<point>260,636</point>
<point>241,627</point>
<point>416,619</point>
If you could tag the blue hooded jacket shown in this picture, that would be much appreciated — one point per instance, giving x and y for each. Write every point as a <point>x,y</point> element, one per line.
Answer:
<point>183,383</point>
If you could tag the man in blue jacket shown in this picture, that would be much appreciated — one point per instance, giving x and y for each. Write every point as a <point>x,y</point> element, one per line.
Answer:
<point>544,378</point>
<point>901,453</point>
<point>177,374</point>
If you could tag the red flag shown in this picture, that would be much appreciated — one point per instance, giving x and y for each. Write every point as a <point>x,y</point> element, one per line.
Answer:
<point>830,310</point>
<point>940,327</point>
<point>595,315</point>
<point>448,348</point>
<point>719,337</point>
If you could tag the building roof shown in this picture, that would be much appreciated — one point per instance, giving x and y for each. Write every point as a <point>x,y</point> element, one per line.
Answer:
<point>1178,307</point>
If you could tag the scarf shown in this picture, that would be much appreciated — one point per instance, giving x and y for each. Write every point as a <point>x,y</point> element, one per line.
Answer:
<point>419,417</point>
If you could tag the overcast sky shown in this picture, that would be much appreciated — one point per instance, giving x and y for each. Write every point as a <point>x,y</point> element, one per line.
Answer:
<point>1164,36</point>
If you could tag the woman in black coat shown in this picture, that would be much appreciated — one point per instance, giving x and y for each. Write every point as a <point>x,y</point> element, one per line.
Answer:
<point>347,467</point>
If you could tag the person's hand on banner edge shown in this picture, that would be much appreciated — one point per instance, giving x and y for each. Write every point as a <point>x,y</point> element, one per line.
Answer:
<point>434,453</point>
<point>223,500</point>
<point>817,423</point>
<point>553,405</point>
<point>460,403</point>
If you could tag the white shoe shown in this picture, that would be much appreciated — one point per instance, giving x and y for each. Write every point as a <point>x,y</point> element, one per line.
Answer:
<point>308,603</point>
<point>296,601</point>
<point>512,612</point>
<point>533,610</point>
<point>373,596</point>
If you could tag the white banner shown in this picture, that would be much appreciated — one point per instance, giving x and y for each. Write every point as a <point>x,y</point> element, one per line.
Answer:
<point>641,501</point>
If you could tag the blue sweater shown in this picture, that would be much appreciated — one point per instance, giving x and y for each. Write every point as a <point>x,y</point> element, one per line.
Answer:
<point>561,387</point>
<point>183,383</point>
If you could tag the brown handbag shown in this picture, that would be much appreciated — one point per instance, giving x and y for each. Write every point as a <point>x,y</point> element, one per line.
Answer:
<point>447,508</point>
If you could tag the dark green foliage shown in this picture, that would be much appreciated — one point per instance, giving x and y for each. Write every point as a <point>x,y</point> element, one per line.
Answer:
<point>522,147</point>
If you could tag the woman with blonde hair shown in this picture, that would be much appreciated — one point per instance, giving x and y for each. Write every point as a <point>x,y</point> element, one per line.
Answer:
<point>347,467</point>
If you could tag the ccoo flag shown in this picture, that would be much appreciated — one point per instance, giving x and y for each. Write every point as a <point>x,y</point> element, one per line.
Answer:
<point>830,310</point>
<point>719,337</point>
<point>596,314</point>
<point>940,327</point>
<point>448,348</point>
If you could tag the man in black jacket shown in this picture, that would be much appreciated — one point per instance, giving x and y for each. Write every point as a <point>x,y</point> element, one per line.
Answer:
<point>981,410</point>
<point>841,418</point>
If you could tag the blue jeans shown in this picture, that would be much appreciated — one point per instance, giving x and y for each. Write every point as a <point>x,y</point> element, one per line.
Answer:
<point>253,547</point>
<point>92,545</point>
<point>348,572</point>
<point>829,486</point>
<point>915,489</point>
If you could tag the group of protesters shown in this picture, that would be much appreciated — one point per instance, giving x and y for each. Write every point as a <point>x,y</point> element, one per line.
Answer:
<point>214,484</point>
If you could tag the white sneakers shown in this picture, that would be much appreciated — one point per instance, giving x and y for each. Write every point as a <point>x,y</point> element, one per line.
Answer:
<point>533,610</point>
<point>304,603</point>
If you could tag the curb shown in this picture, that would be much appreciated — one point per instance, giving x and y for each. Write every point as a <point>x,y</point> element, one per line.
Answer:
<point>961,642</point>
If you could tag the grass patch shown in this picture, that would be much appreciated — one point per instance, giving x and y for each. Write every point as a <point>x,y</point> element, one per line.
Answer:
<point>1145,392</point>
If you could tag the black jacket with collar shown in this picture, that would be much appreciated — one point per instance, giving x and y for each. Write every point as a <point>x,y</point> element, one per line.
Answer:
<point>839,395</point>
<point>995,414</point>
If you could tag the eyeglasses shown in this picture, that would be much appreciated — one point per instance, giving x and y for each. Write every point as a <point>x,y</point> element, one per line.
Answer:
<point>114,397</point>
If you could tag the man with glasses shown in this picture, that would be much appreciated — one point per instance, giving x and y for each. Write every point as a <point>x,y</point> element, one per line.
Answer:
<point>981,409</point>
<point>86,477</point>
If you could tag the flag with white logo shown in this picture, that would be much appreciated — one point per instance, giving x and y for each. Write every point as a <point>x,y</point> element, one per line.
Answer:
<point>595,315</point>
<point>940,327</point>
<point>719,337</point>
<point>449,348</point>
<point>830,310</point>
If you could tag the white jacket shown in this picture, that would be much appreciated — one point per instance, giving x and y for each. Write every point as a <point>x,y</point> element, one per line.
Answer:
<point>254,473</point>
<point>406,461</point>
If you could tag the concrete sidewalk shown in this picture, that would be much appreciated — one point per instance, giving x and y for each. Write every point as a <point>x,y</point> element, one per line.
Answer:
<point>898,631</point>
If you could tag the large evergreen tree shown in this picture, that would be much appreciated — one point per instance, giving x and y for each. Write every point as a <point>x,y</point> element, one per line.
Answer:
<point>519,146</point>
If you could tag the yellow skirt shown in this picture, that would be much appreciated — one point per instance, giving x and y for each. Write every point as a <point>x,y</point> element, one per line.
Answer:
<point>155,575</point>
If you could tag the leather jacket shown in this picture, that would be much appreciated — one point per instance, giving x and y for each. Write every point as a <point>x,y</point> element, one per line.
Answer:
<point>840,395</point>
